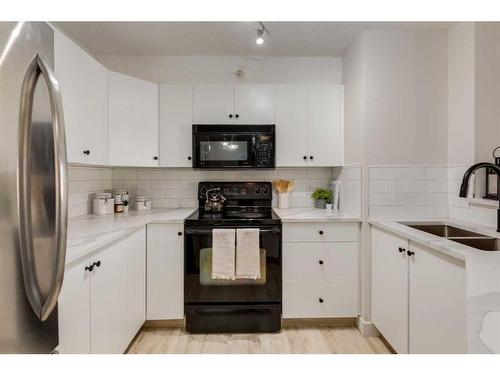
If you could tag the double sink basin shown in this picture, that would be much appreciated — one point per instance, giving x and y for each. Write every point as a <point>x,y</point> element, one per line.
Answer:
<point>465,237</point>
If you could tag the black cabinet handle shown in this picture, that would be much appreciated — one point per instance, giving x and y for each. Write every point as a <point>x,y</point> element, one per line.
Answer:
<point>86,152</point>
<point>89,268</point>
<point>401,250</point>
<point>97,264</point>
<point>189,157</point>
<point>410,253</point>
<point>237,116</point>
<point>155,157</point>
<point>179,233</point>
<point>304,157</point>
<point>321,232</point>
<point>230,115</point>
<point>311,157</point>
<point>321,300</point>
<point>321,262</point>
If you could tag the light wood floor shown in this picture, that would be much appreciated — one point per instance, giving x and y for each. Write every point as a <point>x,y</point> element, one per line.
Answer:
<point>291,340</point>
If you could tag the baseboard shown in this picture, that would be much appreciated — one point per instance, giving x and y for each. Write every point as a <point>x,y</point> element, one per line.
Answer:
<point>318,322</point>
<point>164,323</point>
<point>367,329</point>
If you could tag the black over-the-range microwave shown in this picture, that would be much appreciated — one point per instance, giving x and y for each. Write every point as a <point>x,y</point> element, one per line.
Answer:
<point>234,146</point>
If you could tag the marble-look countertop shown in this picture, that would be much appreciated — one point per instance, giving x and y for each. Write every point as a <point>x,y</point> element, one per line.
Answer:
<point>482,270</point>
<point>90,232</point>
<point>311,214</point>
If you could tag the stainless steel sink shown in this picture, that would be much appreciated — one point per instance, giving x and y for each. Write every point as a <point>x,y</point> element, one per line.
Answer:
<point>476,240</point>
<point>443,230</point>
<point>485,244</point>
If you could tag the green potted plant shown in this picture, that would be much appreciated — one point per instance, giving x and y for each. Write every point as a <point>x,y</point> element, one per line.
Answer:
<point>322,197</point>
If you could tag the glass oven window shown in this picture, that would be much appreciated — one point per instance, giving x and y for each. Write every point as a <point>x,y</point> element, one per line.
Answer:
<point>229,150</point>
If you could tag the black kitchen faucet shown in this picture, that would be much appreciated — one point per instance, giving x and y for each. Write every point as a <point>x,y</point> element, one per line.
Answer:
<point>465,182</point>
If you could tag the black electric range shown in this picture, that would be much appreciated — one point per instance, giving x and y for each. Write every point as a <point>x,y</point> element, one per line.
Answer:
<point>240,306</point>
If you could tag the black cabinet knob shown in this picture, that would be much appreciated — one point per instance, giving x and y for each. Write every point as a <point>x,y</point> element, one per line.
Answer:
<point>304,157</point>
<point>410,253</point>
<point>401,250</point>
<point>321,232</point>
<point>189,157</point>
<point>321,262</point>
<point>155,157</point>
<point>97,264</point>
<point>237,115</point>
<point>89,268</point>
<point>311,157</point>
<point>230,115</point>
<point>321,300</point>
<point>179,233</point>
<point>86,152</point>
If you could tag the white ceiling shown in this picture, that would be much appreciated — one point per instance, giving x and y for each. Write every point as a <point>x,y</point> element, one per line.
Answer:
<point>225,38</point>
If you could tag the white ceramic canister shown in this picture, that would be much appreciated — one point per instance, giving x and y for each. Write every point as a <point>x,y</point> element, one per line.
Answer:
<point>284,200</point>
<point>125,198</point>
<point>103,204</point>
<point>142,203</point>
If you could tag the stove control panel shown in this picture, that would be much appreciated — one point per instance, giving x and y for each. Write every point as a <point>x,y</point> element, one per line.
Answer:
<point>238,190</point>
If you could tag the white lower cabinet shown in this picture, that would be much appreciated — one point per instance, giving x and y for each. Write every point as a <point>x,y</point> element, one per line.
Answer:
<point>102,302</point>
<point>418,296</point>
<point>165,271</point>
<point>320,270</point>
<point>74,309</point>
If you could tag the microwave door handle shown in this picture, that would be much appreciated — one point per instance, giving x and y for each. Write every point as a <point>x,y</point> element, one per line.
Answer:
<point>42,306</point>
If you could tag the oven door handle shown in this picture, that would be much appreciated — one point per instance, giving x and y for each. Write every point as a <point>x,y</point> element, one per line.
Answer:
<point>209,231</point>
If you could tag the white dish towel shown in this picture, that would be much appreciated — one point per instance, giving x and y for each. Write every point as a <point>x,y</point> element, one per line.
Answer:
<point>223,254</point>
<point>247,253</point>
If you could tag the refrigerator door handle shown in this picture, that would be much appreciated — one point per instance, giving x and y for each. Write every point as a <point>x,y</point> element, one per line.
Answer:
<point>42,306</point>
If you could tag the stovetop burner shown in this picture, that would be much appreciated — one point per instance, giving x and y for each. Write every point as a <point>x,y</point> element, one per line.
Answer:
<point>247,204</point>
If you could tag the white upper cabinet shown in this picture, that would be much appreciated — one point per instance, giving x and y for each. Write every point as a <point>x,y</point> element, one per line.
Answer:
<point>83,83</point>
<point>254,104</point>
<point>176,120</point>
<point>325,140</point>
<point>291,125</point>
<point>229,104</point>
<point>133,121</point>
<point>213,104</point>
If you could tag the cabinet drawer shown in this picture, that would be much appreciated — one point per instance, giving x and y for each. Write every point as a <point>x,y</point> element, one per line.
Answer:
<point>301,299</point>
<point>320,232</point>
<point>320,261</point>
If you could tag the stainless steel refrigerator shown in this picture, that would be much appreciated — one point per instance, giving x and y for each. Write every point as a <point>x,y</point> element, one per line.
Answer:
<point>33,189</point>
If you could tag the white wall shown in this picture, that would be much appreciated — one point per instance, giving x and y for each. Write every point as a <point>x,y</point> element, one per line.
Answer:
<point>461,96</point>
<point>221,69</point>
<point>487,89</point>
<point>406,96</point>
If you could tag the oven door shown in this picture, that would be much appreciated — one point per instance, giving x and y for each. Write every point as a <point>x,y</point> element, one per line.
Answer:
<point>201,289</point>
<point>218,150</point>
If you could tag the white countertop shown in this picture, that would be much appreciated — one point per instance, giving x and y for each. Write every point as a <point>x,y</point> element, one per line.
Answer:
<point>311,214</point>
<point>482,270</point>
<point>90,232</point>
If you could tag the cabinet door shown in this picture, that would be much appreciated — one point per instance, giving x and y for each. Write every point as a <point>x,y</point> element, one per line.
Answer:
<point>83,83</point>
<point>176,120</point>
<point>213,104</point>
<point>165,271</point>
<point>390,288</point>
<point>291,125</point>
<point>136,282</point>
<point>74,310</point>
<point>325,141</point>
<point>108,300</point>
<point>254,104</point>
<point>133,121</point>
<point>437,303</point>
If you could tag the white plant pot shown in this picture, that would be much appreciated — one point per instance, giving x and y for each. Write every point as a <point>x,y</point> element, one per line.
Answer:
<point>283,200</point>
<point>329,206</point>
